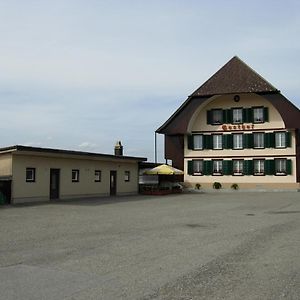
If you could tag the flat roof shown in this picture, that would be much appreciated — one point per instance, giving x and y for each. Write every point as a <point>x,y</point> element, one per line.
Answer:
<point>21,148</point>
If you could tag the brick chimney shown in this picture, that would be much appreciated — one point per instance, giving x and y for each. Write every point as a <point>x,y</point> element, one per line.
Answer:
<point>118,149</point>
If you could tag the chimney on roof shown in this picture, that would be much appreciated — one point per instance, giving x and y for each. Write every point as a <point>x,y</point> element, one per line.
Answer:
<point>118,149</point>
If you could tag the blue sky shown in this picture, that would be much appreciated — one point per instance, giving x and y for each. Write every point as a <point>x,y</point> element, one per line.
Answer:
<point>83,74</point>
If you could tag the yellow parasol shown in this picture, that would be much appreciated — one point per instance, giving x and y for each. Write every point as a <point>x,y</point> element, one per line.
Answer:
<point>164,170</point>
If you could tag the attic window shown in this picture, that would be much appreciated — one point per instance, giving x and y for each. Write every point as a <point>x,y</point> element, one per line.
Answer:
<point>217,116</point>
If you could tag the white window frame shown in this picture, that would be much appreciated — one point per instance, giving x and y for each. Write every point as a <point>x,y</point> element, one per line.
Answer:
<point>259,167</point>
<point>237,115</point>
<point>217,141</point>
<point>217,167</point>
<point>238,167</point>
<point>198,141</point>
<point>280,166</point>
<point>280,139</point>
<point>258,140</point>
<point>98,176</point>
<point>75,175</point>
<point>258,115</point>
<point>238,141</point>
<point>30,174</point>
<point>127,176</point>
<point>198,167</point>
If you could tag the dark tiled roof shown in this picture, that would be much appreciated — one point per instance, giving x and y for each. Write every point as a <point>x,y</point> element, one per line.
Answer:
<point>235,77</point>
<point>68,152</point>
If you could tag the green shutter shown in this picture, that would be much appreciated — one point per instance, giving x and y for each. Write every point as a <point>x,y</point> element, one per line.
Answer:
<point>269,167</point>
<point>209,117</point>
<point>224,116</point>
<point>190,167</point>
<point>248,140</point>
<point>207,167</point>
<point>270,140</point>
<point>227,167</point>
<point>229,116</point>
<point>248,115</point>
<point>288,138</point>
<point>227,141</point>
<point>207,141</point>
<point>288,166</point>
<point>266,114</point>
<point>190,140</point>
<point>248,167</point>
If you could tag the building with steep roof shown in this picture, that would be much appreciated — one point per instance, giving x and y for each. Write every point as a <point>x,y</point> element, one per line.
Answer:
<point>236,128</point>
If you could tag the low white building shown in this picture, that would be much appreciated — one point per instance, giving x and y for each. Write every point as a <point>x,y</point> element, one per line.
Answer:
<point>31,174</point>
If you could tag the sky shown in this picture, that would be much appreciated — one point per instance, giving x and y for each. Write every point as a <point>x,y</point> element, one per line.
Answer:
<point>83,74</point>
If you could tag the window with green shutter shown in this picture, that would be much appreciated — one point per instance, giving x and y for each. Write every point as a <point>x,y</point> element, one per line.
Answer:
<point>207,167</point>
<point>190,167</point>
<point>227,167</point>
<point>288,139</point>
<point>266,114</point>
<point>248,167</point>
<point>248,140</point>
<point>207,141</point>
<point>227,141</point>
<point>288,167</point>
<point>270,140</point>
<point>190,141</point>
<point>269,167</point>
<point>248,115</point>
<point>208,117</point>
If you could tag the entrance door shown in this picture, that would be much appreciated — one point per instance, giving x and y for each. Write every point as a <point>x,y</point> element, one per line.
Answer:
<point>113,183</point>
<point>54,183</point>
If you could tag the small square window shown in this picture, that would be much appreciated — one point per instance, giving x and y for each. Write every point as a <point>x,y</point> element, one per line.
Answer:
<point>127,176</point>
<point>75,175</point>
<point>97,176</point>
<point>30,174</point>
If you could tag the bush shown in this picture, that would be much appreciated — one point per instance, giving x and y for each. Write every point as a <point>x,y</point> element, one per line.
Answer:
<point>197,186</point>
<point>235,186</point>
<point>217,185</point>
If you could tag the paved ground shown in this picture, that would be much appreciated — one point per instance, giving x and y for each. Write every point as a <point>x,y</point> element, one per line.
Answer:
<point>195,246</point>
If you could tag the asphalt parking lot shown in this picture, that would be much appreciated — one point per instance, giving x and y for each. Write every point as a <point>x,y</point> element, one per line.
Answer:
<point>193,246</point>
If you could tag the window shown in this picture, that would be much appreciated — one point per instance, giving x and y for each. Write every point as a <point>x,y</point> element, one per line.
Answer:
<point>259,167</point>
<point>280,166</point>
<point>198,141</point>
<point>258,115</point>
<point>238,141</point>
<point>97,176</point>
<point>217,116</point>
<point>217,167</point>
<point>217,141</point>
<point>75,175</point>
<point>259,140</point>
<point>127,176</point>
<point>237,115</point>
<point>197,167</point>
<point>280,139</point>
<point>238,167</point>
<point>30,174</point>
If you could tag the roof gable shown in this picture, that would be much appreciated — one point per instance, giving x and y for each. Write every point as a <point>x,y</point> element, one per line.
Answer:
<point>235,77</point>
